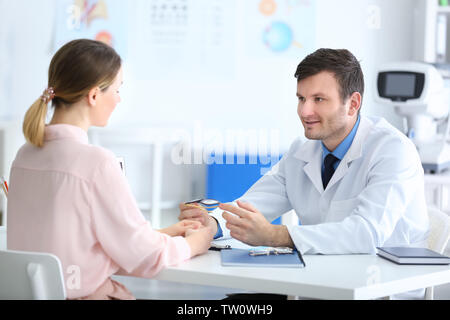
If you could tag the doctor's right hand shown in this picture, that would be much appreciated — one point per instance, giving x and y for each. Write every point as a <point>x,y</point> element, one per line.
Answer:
<point>197,213</point>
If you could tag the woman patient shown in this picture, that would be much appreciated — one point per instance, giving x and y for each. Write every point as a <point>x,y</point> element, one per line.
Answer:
<point>70,198</point>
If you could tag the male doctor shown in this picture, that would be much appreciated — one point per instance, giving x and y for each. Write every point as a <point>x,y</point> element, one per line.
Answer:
<point>357,182</point>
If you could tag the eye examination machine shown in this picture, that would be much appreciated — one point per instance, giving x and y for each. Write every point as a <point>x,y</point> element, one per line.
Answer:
<point>418,92</point>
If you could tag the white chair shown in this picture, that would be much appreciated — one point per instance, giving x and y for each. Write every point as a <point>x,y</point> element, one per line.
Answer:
<point>30,276</point>
<point>438,237</point>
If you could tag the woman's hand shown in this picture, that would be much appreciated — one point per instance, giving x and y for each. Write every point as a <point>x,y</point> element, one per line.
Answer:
<point>180,228</point>
<point>199,240</point>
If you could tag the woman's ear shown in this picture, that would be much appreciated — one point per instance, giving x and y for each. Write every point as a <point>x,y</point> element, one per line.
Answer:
<point>93,95</point>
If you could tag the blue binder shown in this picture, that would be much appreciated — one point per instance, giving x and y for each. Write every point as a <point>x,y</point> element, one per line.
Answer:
<point>228,182</point>
<point>241,258</point>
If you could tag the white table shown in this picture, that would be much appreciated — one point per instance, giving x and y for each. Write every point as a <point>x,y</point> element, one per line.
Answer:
<point>324,277</point>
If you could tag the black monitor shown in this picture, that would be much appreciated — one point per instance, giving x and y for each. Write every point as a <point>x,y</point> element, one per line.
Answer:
<point>400,85</point>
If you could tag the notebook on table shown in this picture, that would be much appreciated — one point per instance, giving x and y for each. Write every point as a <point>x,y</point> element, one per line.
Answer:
<point>406,255</point>
<point>242,258</point>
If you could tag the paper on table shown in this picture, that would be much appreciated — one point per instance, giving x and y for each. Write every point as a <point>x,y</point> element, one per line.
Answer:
<point>236,244</point>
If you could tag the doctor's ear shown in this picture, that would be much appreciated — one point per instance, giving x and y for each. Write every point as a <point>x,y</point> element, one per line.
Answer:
<point>93,95</point>
<point>355,103</point>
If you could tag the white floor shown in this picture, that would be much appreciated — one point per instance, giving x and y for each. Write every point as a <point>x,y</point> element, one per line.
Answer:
<point>166,290</point>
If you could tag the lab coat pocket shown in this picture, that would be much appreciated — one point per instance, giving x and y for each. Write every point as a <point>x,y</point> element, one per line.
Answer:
<point>341,209</point>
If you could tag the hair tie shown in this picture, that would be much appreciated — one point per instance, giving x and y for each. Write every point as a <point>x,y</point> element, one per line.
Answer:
<point>48,95</point>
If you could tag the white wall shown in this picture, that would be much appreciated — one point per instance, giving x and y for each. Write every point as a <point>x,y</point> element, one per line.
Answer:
<point>261,94</point>
<point>25,42</point>
<point>349,24</point>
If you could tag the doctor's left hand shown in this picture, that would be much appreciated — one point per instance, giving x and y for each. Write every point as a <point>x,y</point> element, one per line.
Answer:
<point>251,227</point>
<point>248,224</point>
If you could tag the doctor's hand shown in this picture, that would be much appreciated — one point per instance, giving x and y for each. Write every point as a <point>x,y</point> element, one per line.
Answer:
<point>251,227</point>
<point>196,212</point>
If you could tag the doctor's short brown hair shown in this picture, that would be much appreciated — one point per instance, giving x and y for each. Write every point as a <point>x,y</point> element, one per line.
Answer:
<point>341,62</point>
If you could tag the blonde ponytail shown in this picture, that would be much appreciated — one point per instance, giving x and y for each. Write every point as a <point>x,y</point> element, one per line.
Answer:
<point>77,67</point>
<point>34,123</point>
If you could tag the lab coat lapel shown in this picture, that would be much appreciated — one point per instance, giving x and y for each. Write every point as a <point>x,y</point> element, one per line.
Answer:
<point>340,172</point>
<point>311,153</point>
<point>353,153</point>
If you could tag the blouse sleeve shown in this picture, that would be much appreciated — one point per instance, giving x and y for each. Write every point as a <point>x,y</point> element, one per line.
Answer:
<point>122,231</point>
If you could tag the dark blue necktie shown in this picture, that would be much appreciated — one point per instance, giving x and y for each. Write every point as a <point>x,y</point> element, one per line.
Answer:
<point>329,162</point>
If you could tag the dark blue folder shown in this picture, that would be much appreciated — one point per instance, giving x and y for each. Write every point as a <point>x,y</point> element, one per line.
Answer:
<point>241,258</point>
<point>409,255</point>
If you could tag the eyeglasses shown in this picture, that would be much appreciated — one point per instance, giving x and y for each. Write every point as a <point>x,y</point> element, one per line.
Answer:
<point>208,204</point>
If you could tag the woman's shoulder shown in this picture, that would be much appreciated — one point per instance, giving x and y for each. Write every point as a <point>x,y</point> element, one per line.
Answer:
<point>96,155</point>
<point>82,160</point>
<point>90,160</point>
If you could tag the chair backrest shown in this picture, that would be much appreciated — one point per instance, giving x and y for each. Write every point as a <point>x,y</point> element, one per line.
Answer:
<point>30,276</point>
<point>439,230</point>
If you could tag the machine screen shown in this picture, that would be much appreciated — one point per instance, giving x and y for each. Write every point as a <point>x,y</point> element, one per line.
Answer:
<point>398,84</point>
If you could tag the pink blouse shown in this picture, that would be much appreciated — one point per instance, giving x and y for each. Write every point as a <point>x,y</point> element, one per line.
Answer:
<point>71,199</point>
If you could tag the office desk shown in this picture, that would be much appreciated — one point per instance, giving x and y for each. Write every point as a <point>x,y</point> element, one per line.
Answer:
<point>324,277</point>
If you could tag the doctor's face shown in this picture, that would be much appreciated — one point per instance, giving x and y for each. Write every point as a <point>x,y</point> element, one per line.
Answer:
<point>320,108</point>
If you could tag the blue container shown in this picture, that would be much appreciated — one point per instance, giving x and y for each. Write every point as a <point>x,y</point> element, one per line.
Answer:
<point>228,182</point>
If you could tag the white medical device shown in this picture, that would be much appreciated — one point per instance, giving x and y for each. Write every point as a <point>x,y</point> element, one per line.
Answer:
<point>418,93</point>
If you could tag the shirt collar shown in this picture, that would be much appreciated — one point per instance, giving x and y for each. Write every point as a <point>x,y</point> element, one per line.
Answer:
<point>343,147</point>
<point>65,131</point>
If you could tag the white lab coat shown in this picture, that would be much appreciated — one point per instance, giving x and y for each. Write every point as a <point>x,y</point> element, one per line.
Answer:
<point>375,197</point>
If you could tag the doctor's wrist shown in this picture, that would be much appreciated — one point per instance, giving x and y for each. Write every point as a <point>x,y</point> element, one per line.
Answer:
<point>280,237</point>
<point>213,223</point>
